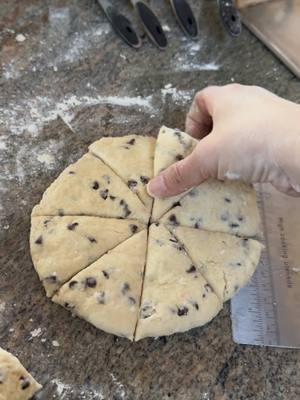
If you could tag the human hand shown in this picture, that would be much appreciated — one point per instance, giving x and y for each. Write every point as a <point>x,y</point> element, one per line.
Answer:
<point>245,133</point>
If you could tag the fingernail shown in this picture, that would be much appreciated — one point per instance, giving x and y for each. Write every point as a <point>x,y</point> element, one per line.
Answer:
<point>156,187</point>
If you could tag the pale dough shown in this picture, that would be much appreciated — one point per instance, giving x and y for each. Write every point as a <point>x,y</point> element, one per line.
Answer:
<point>131,157</point>
<point>89,187</point>
<point>107,293</point>
<point>15,382</point>
<point>172,145</point>
<point>89,240</point>
<point>63,246</point>
<point>175,298</point>
<point>227,262</point>
<point>232,210</point>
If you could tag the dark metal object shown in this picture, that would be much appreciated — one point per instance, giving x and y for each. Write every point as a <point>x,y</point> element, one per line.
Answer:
<point>121,25</point>
<point>151,24</point>
<point>185,17</point>
<point>230,17</point>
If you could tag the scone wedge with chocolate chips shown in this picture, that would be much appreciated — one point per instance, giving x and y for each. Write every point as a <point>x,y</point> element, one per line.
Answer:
<point>107,293</point>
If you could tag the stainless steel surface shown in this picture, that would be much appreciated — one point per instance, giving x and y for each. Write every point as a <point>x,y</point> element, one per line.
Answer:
<point>277,24</point>
<point>267,311</point>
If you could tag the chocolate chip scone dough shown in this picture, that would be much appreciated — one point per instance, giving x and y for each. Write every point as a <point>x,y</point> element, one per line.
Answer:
<point>15,382</point>
<point>89,187</point>
<point>227,262</point>
<point>108,292</point>
<point>176,297</point>
<point>172,145</point>
<point>218,206</point>
<point>131,157</point>
<point>63,246</point>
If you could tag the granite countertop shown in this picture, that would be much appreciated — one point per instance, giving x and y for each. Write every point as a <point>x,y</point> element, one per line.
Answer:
<point>66,80</point>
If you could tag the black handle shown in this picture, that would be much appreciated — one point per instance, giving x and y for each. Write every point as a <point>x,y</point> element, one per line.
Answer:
<point>120,24</point>
<point>185,17</point>
<point>151,24</point>
<point>230,17</point>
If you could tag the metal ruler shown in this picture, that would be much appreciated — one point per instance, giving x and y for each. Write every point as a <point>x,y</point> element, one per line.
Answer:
<point>267,311</point>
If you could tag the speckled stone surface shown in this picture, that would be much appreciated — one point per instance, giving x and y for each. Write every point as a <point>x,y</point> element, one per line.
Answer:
<point>68,83</point>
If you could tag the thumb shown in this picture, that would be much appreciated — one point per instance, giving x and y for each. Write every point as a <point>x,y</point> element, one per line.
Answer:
<point>191,171</point>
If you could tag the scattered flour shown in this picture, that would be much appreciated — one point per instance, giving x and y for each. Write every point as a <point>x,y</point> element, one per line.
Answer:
<point>31,115</point>
<point>55,343</point>
<point>178,96</point>
<point>2,144</point>
<point>47,159</point>
<point>197,67</point>
<point>35,333</point>
<point>119,387</point>
<point>78,393</point>
<point>20,37</point>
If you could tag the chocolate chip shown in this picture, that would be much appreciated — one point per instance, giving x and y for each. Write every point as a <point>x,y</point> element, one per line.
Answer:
<point>95,185</point>
<point>144,180</point>
<point>236,288</point>
<point>192,193</point>
<point>71,173</point>
<point>69,306</point>
<point>196,305</point>
<point>156,224</point>
<point>173,240</point>
<point>46,222</point>
<point>239,264</point>
<point>196,225</point>
<point>125,208</point>
<point>131,142</point>
<point>125,288</point>
<point>106,274</point>
<point>101,297</point>
<point>208,288</point>
<point>225,216</point>
<point>133,228</point>
<point>131,300</point>
<point>179,157</point>
<point>234,225</point>
<point>122,202</point>
<point>92,239</point>
<point>90,282</point>
<point>181,311</point>
<point>240,218</point>
<point>132,183</point>
<point>204,295</point>
<point>227,199</point>
<point>112,197</point>
<point>173,219</point>
<point>104,194</point>
<point>25,383</point>
<point>72,226</point>
<point>61,212</point>
<point>147,310</point>
<point>107,179</point>
<point>73,284</point>
<point>177,204</point>
<point>51,279</point>
<point>39,240</point>
<point>191,269</point>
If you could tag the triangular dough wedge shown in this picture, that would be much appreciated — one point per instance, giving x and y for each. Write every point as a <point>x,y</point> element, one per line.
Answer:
<point>63,246</point>
<point>171,146</point>
<point>89,187</point>
<point>175,299</point>
<point>107,293</point>
<point>15,382</point>
<point>218,206</point>
<point>226,261</point>
<point>130,157</point>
